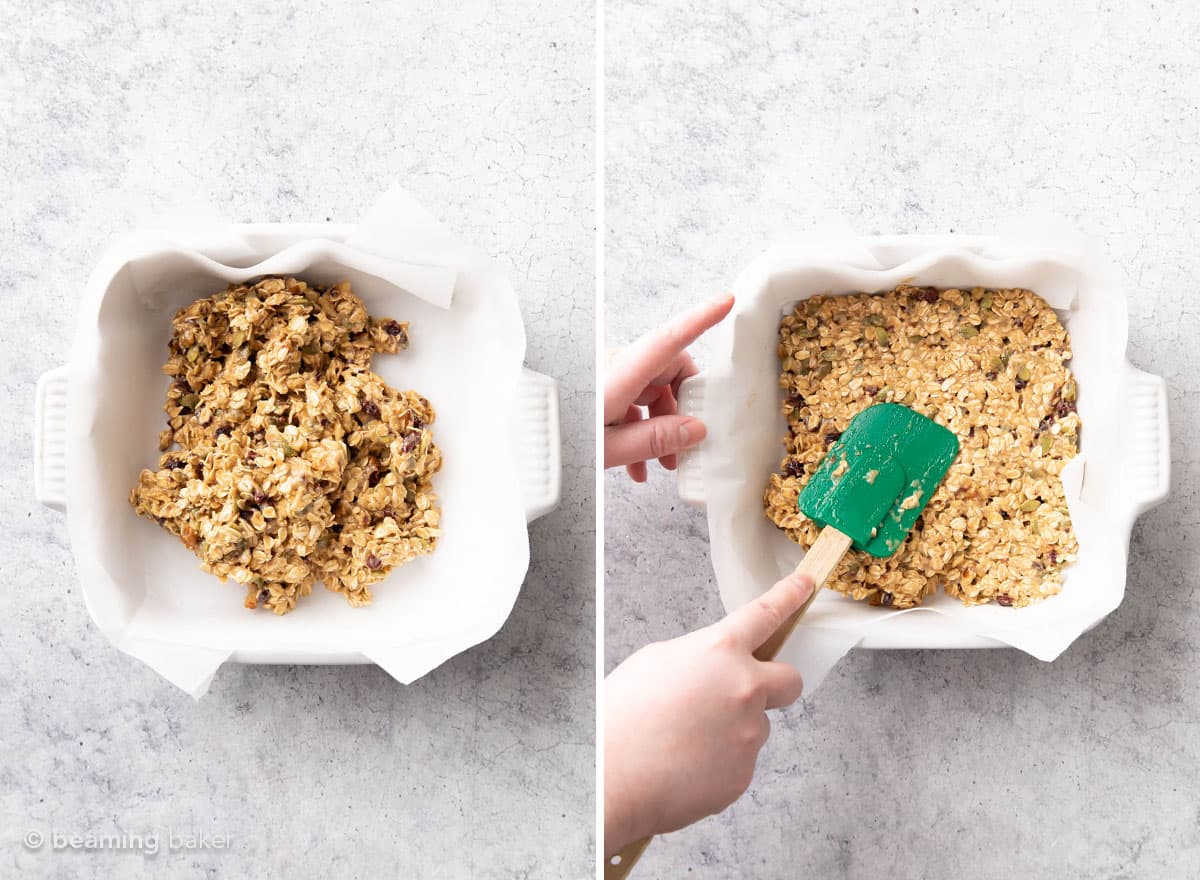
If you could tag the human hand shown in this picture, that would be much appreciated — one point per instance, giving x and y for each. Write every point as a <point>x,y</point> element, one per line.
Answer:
<point>648,374</point>
<point>684,719</point>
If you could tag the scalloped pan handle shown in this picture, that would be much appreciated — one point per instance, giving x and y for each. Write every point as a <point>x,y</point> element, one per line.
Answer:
<point>539,459</point>
<point>689,474</point>
<point>1148,458</point>
<point>50,439</point>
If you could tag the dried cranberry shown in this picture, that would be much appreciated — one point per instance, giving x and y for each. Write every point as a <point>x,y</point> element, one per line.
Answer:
<point>886,599</point>
<point>971,432</point>
<point>1021,384</point>
<point>990,375</point>
<point>793,467</point>
<point>1005,600</point>
<point>1045,423</point>
<point>370,408</point>
<point>411,441</point>
<point>795,401</point>
<point>264,595</point>
<point>396,330</point>
<point>832,437</point>
<point>373,562</point>
<point>173,463</point>
<point>388,513</point>
<point>258,497</point>
<point>418,422</point>
<point>1064,408</point>
<point>871,390</point>
<point>927,294</point>
<point>374,475</point>
<point>920,523</point>
<point>1053,556</point>
<point>223,431</point>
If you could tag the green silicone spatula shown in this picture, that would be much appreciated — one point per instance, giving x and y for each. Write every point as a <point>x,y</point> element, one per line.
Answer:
<point>868,492</point>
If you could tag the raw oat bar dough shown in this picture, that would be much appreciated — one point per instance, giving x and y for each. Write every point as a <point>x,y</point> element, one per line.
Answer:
<point>991,365</point>
<point>286,460</point>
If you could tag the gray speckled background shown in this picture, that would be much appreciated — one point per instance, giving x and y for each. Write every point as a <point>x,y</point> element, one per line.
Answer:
<point>114,113</point>
<point>725,128</point>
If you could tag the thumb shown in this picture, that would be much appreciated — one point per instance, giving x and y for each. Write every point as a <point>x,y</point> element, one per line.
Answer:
<point>758,619</point>
<point>651,438</point>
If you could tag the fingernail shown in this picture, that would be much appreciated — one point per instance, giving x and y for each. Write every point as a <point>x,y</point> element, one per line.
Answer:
<point>685,436</point>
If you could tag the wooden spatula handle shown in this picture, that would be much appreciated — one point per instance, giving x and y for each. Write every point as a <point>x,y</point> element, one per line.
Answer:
<point>818,563</point>
<point>618,865</point>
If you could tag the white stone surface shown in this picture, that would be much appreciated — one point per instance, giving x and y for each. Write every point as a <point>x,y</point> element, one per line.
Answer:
<point>116,113</point>
<point>729,126</point>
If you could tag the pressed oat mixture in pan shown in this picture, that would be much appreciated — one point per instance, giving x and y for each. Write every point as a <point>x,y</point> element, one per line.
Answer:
<point>988,364</point>
<point>285,460</point>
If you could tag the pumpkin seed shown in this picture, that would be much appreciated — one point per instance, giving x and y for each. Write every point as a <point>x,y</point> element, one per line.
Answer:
<point>189,401</point>
<point>915,340</point>
<point>968,330</point>
<point>881,336</point>
<point>1047,443</point>
<point>829,354</point>
<point>1030,506</point>
<point>1023,373</point>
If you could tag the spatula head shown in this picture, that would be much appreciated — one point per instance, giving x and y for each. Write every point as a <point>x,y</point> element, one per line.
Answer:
<point>876,479</point>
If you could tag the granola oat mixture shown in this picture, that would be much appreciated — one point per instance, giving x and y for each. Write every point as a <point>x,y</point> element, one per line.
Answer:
<point>286,460</point>
<point>988,364</point>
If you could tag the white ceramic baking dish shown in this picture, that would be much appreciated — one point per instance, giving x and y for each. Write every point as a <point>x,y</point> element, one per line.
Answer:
<point>97,418</point>
<point>1125,447</point>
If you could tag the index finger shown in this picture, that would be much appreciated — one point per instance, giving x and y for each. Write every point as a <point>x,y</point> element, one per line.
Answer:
<point>757,620</point>
<point>634,367</point>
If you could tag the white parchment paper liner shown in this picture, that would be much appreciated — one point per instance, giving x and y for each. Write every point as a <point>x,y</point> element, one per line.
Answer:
<point>147,592</point>
<point>742,409</point>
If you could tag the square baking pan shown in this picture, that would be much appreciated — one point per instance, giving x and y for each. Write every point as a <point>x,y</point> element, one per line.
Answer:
<point>1123,466</point>
<point>98,416</point>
